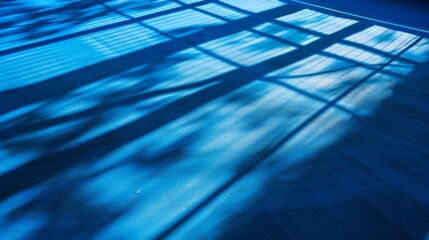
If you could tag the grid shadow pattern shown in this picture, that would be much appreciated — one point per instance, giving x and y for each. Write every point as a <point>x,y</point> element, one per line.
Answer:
<point>181,118</point>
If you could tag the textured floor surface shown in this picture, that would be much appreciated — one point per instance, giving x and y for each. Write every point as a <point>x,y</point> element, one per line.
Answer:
<point>231,119</point>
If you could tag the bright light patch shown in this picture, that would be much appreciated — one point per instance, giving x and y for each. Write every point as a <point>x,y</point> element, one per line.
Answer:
<point>183,23</point>
<point>191,68</point>
<point>52,20</point>
<point>12,159</point>
<point>190,1</point>
<point>138,8</point>
<point>247,48</point>
<point>182,136</point>
<point>224,12</point>
<point>380,38</point>
<point>318,22</point>
<point>364,100</point>
<point>325,77</point>
<point>45,62</point>
<point>20,227</point>
<point>419,52</point>
<point>287,34</point>
<point>254,6</point>
<point>18,115</point>
<point>357,54</point>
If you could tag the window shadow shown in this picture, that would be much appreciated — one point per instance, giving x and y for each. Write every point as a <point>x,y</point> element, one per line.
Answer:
<point>179,104</point>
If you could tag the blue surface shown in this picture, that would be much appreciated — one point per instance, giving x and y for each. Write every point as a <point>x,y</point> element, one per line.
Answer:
<point>233,119</point>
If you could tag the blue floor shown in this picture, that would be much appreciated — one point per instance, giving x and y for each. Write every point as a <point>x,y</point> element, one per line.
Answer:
<point>216,119</point>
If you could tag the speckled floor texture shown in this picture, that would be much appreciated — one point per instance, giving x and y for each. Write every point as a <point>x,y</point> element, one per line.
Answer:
<point>216,119</point>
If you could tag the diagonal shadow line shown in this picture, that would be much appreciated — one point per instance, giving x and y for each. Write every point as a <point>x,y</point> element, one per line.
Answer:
<point>19,130</point>
<point>82,114</point>
<point>54,163</point>
<point>56,86</point>
<point>378,51</point>
<point>363,19</point>
<point>278,22</point>
<point>309,95</point>
<point>34,127</point>
<point>27,128</point>
<point>98,29</point>
<point>28,95</point>
<point>281,23</point>
<point>266,153</point>
<point>312,32</point>
<point>155,93</point>
<point>207,52</point>
<point>22,128</point>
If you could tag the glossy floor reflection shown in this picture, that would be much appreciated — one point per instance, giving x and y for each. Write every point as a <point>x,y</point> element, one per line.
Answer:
<point>179,119</point>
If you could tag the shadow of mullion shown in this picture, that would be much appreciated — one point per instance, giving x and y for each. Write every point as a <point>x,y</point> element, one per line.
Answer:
<point>359,45</point>
<point>310,95</point>
<point>106,143</point>
<point>234,8</point>
<point>172,37</point>
<point>279,39</point>
<point>305,30</point>
<point>264,154</point>
<point>54,87</point>
<point>316,50</point>
<point>98,29</point>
